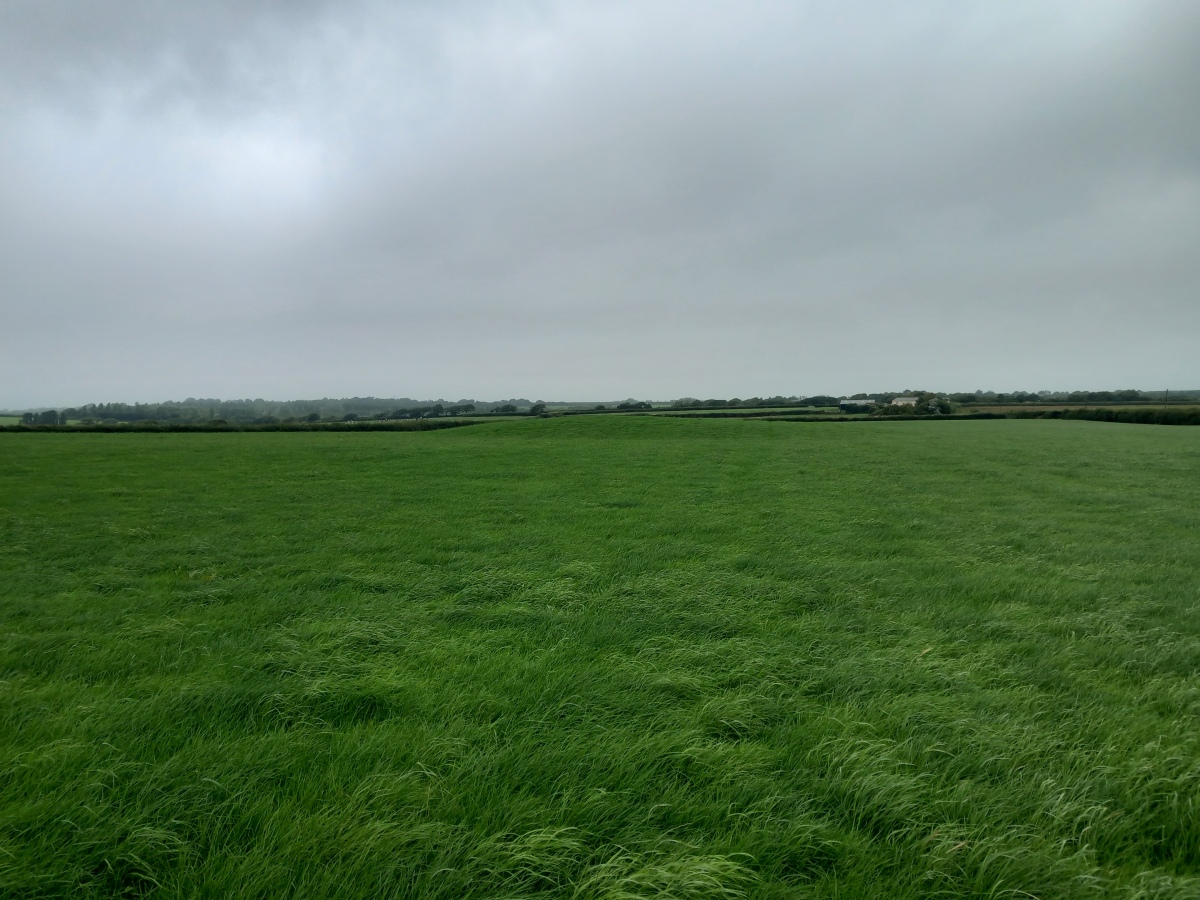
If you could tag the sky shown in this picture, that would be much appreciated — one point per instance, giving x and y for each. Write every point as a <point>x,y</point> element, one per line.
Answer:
<point>596,200</point>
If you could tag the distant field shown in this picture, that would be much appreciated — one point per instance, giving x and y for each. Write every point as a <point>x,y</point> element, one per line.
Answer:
<point>609,656</point>
<point>10,420</point>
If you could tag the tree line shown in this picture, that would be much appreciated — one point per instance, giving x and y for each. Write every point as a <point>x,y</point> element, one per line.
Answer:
<point>976,397</point>
<point>753,402</point>
<point>267,412</point>
<point>359,409</point>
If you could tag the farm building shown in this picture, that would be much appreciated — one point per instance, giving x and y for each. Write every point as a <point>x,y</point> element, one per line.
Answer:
<point>904,401</point>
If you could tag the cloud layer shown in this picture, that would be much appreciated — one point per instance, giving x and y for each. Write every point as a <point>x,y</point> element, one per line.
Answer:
<point>596,200</point>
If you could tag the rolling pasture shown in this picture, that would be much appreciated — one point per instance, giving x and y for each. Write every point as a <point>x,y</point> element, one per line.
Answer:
<point>603,657</point>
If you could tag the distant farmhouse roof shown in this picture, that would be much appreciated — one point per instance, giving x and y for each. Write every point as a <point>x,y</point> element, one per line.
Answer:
<point>904,401</point>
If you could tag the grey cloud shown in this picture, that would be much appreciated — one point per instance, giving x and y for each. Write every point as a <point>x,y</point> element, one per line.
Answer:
<point>86,53</point>
<point>598,199</point>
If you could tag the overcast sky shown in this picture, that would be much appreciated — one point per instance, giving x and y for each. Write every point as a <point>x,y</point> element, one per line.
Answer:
<point>596,200</point>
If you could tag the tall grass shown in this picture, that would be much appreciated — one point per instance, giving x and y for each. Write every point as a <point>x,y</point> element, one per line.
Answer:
<point>589,657</point>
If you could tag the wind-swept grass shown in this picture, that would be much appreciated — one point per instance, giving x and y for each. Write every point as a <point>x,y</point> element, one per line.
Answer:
<point>603,657</point>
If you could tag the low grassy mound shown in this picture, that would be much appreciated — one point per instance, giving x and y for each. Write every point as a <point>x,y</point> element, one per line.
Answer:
<point>603,657</point>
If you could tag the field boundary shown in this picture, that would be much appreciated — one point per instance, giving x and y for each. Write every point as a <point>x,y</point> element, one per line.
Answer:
<point>1160,416</point>
<point>180,428</point>
<point>945,418</point>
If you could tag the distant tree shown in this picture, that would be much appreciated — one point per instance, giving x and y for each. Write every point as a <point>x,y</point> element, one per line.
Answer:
<point>49,417</point>
<point>537,409</point>
<point>820,400</point>
<point>506,408</point>
<point>350,417</point>
<point>600,406</point>
<point>313,417</point>
<point>931,405</point>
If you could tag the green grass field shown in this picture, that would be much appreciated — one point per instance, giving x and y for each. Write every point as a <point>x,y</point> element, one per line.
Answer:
<point>603,657</point>
<point>10,420</point>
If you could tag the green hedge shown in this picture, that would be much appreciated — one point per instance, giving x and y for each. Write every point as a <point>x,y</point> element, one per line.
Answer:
<point>162,427</point>
<point>1184,416</point>
<point>901,418</point>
